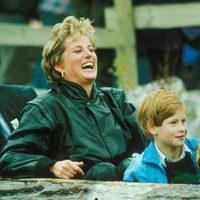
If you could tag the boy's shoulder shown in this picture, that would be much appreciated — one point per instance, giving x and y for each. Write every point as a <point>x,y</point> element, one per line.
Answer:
<point>192,143</point>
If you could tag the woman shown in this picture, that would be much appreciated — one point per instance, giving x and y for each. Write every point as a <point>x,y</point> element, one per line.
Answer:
<point>75,130</point>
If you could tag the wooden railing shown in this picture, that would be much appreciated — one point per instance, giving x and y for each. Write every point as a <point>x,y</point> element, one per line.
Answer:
<point>121,21</point>
<point>91,190</point>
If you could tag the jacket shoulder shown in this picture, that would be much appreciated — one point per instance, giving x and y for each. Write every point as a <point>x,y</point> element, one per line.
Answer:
<point>44,98</point>
<point>44,102</point>
<point>134,169</point>
<point>192,143</point>
<point>112,91</point>
<point>143,165</point>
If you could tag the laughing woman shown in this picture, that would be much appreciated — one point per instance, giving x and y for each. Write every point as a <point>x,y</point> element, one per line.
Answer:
<point>75,130</point>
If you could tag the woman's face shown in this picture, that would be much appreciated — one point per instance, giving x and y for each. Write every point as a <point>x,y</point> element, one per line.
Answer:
<point>79,61</point>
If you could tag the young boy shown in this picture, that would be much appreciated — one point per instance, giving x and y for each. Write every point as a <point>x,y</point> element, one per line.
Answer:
<point>170,157</point>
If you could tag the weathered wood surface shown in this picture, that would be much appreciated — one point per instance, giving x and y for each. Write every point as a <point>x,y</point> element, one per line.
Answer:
<point>93,190</point>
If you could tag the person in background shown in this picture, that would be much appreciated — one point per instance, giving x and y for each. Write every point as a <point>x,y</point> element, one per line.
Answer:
<point>75,130</point>
<point>170,157</point>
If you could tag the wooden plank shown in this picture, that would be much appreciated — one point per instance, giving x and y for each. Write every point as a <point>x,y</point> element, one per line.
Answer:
<point>106,38</point>
<point>71,189</point>
<point>167,16</point>
<point>125,61</point>
<point>160,16</point>
<point>23,35</point>
<point>110,18</point>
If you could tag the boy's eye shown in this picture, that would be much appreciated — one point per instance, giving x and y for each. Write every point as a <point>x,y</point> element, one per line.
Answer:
<point>173,122</point>
<point>184,120</point>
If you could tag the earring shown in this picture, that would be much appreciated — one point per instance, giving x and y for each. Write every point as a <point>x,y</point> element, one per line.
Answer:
<point>62,74</point>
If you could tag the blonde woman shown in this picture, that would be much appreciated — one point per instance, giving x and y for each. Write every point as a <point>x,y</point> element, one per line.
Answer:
<point>75,130</point>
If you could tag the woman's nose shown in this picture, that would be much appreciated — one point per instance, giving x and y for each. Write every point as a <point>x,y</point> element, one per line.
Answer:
<point>87,53</point>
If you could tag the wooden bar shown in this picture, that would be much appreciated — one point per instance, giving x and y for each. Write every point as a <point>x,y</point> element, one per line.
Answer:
<point>126,50</point>
<point>23,35</point>
<point>167,16</point>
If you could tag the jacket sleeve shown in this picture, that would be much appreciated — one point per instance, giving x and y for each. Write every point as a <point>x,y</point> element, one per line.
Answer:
<point>138,171</point>
<point>27,150</point>
<point>125,114</point>
<point>129,174</point>
<point>129,113</point>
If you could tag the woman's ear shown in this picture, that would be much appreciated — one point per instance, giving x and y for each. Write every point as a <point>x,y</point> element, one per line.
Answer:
<point>151,128</point>
<point>58,68</point>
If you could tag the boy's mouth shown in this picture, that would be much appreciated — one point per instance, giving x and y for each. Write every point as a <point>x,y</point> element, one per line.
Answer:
<point>180,136</point>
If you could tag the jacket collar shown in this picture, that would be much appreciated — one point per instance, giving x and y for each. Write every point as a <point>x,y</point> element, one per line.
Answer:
<point>73,90</point>
<point>151,155</point>
<point>163,157</point>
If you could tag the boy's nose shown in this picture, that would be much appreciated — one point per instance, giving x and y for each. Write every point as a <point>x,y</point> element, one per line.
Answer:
<point>182,127</point>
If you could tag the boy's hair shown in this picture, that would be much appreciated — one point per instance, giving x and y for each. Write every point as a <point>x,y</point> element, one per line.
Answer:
<point>156,107</point>
<point>54,48</point>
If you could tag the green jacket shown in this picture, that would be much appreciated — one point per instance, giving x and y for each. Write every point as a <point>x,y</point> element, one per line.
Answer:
<point>64,124</point>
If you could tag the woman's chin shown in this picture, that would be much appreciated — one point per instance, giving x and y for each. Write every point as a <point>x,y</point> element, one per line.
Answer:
<point>90,78</point>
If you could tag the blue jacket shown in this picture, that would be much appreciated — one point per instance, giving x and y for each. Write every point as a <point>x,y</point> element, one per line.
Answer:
<point>147,167</point>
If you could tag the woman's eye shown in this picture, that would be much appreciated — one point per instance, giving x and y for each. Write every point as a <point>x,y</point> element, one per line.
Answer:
<point>91,50</point>
<point>77,51</point>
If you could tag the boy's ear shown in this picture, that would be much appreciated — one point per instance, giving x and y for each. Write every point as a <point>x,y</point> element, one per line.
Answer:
<point>151,128</point>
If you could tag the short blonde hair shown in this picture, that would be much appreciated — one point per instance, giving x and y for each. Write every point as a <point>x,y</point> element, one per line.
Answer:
<point>54,48</point>
<point>156,107</point>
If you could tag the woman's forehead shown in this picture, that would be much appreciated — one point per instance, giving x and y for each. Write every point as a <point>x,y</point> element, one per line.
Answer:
<point>76,40</point>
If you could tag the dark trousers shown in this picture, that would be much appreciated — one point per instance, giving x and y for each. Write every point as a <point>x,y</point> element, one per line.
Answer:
<point>107,171</point>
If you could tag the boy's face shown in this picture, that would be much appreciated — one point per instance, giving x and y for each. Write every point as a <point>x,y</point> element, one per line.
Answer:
<point>172,132</point>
